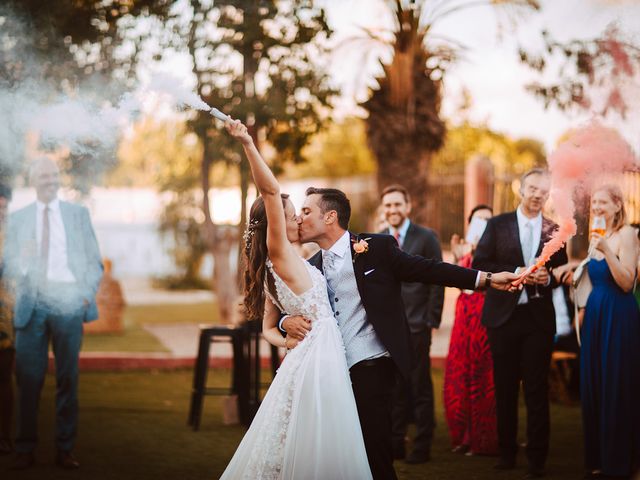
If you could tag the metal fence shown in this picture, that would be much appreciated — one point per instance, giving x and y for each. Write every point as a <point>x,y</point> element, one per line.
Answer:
<point>446,191</point>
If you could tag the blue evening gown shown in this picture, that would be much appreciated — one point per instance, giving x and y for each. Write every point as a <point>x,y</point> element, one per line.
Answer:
<point>610,376</point>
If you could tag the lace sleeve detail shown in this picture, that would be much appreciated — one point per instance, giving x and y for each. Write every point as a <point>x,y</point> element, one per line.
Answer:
<point>273,299</point>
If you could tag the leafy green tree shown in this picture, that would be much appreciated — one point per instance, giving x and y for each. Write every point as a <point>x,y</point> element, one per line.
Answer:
<point>256,60</point>
<point>67,46</point>
<point>404,126</point>
<point>253,60</point>
<point>586,68</point>
<point>340,150</point>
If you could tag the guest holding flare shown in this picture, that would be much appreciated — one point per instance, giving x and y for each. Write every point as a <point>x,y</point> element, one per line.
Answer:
<point>610,353</point>
<point>521,325</point>
<point>469,401</point>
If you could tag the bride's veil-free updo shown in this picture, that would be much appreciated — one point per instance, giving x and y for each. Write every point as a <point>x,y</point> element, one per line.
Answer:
<point>255,254</point>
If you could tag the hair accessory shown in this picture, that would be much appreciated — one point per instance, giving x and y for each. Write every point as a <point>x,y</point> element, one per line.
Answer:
<point>248,234</point>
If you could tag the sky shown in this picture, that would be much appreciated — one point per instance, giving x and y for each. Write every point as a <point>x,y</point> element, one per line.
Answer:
<point>490,69</point>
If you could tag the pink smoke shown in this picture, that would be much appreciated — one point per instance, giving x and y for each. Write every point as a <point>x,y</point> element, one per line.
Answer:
<point>589,154</point>
<point>616,48</point>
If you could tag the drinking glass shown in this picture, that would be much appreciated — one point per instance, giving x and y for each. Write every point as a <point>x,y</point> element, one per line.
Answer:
<point>599,226</point>
<point>536,293</point>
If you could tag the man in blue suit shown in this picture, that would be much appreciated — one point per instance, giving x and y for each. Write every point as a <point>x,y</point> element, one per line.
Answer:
<point>52,256</point>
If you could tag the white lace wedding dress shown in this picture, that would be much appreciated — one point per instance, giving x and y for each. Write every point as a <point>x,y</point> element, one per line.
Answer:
<point>307,426</point>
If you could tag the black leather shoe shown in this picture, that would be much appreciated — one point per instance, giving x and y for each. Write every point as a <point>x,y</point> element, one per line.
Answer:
<point>23,461</point>
<point>461,449</point>
<point>415,458</point>
<point>592,475</point>
<point>505,464</point>
<point>534,472</point>
<point>67,461</point>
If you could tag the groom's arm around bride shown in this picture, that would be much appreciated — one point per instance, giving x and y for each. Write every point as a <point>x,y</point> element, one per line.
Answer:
<point>380,267</point>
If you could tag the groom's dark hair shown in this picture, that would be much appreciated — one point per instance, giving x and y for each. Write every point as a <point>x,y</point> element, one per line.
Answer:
<point>333,199</point>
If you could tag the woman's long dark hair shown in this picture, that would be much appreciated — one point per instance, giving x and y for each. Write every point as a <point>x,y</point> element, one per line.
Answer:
<point>255,255</point>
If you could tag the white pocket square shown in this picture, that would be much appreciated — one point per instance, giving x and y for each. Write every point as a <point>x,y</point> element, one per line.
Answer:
<point>369,271</point>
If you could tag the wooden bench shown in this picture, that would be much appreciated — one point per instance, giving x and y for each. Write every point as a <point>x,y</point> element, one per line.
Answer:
<point>559,377</point>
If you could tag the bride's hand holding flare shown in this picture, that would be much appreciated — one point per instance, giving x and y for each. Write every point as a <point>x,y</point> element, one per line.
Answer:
<point>238,130</point>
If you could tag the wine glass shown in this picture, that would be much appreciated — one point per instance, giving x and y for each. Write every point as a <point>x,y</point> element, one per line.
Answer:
<point>536,293</point>
<point>599,226</point>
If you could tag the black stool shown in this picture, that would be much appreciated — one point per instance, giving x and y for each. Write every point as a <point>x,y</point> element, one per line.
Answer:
<point>239,380</point>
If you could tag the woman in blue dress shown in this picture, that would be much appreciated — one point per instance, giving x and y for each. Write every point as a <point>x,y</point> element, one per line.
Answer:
<point>610,354</point>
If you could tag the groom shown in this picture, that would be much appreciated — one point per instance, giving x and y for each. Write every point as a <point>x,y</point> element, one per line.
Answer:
<point>364,274</point>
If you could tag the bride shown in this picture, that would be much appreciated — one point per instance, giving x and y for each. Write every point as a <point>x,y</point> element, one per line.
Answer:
<point>307,426</point>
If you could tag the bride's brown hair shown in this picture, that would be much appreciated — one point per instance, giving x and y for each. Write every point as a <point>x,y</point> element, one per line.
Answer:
<point>255,255</point>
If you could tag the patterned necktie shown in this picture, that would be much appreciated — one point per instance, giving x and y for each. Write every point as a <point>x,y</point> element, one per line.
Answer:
<point>44,243</point>
<point>328,265</point>
<point>396,235</point>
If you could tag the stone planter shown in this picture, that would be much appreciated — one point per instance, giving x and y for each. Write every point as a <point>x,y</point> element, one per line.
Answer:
<point>111,305</point>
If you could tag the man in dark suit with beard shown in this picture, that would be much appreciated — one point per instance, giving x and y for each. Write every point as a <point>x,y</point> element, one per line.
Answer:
<point>521,325</point>
<point>413,397</point>
<point>364,276</point>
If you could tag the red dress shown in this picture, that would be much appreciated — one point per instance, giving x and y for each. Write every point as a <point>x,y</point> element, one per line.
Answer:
<point>469,401</point>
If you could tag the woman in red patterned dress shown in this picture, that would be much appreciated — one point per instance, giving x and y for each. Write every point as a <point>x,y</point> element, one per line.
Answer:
<point>469,401</point>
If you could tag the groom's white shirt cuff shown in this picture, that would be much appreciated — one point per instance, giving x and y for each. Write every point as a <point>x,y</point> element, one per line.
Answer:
<point>281,321</point>
<point>478,279</point>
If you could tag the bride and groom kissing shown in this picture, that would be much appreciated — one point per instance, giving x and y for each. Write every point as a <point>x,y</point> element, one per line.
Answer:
<point>327,413</point>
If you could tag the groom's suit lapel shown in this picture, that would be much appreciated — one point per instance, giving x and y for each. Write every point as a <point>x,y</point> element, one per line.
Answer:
<point>316,261</point>
<point>358,264</point>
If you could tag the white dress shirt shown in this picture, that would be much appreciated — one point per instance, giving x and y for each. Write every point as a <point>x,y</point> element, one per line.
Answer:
<point>340,249</point>
<point>536,225</point>
<point>563,320</point>
<point>57,267</point>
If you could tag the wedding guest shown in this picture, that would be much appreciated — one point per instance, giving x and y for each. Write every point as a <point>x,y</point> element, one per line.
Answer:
<point>7,350</point>
<point>469,401</point>
<point>52,255</point>
<point>521,325</point>
<point>610,334</point>
<point>636,292</point>
<point>566,339</point>
<point>413,396</point>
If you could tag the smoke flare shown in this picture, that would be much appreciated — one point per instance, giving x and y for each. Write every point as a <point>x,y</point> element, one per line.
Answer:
<point>580,163</point>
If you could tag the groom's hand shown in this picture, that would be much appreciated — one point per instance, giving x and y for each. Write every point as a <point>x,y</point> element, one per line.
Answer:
<point>504,281</point>
<point>296,326</point>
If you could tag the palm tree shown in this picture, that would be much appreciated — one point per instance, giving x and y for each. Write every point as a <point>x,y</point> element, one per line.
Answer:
<point>404,127</point>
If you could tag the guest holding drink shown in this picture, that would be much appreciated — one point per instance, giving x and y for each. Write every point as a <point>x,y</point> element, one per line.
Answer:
<point>469,401</point>
<point>610,355</point>
<point>521,325</point>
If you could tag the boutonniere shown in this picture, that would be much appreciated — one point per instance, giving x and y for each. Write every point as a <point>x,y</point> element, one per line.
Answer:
<point>360,247</point>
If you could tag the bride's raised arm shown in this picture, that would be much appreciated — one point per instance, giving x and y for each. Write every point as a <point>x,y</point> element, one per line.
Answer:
<point>269,189</point>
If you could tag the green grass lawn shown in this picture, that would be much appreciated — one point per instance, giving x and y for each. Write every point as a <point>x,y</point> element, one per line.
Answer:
<point>133,427</point>
<point>136,339</point>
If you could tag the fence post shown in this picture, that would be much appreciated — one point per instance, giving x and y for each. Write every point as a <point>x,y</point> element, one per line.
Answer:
<point>478,182</point>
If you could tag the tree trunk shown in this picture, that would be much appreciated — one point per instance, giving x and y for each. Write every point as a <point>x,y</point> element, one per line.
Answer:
<point>220,240</point>
<point>409,167</point>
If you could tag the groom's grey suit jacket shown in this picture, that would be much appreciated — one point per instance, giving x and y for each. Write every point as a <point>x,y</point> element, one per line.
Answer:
<point>83,258</point>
